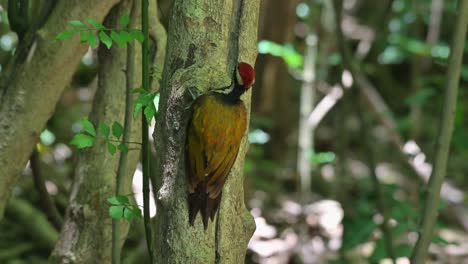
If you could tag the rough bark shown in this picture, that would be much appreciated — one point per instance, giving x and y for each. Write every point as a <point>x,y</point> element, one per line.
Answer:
<point>29,100</point>
<point>86,235</point>
<point>202,53</point>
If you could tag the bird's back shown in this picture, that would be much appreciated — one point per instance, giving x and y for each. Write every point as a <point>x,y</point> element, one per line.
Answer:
<point>213,140</point>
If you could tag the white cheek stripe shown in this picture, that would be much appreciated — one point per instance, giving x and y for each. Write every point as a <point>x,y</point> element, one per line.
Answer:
<point>228,90</point>
<point>239,78</point>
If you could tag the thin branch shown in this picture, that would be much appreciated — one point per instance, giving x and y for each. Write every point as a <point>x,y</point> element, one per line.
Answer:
<point>146,154</point>
<point>47,203</point>
<point>306,131</point>
<point>324,106</point>
<point>123,159</point>
<point>123,141</point>
<point>445,135</point>
<point>435,20</point>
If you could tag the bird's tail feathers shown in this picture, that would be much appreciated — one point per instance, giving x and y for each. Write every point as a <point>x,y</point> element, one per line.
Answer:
<point>199,201</point>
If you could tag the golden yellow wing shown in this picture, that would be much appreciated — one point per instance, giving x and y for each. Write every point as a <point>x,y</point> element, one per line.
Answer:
<point>213,140</point>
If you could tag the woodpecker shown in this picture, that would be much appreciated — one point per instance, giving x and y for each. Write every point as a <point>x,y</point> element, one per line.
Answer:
<point>214,135</point>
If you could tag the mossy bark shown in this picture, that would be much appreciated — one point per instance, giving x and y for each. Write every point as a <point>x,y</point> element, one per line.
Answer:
<point>30,98</point>
<point>201,55</point>
<point>87,233</point>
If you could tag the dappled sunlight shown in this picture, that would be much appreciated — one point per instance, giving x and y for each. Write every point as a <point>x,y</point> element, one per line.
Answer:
<point>137,187</point>
<point>320,239</point>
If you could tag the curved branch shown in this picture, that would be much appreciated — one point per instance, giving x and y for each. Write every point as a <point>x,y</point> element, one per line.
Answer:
<point>431,207</point>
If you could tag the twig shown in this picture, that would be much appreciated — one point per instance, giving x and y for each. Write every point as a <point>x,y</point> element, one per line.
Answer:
<point>123,141</point>
<point>444,138</point>
<point>433,33</point>
<point>324,106</point>
<point>123,159</point>
<point>146,154</point>
<point>306,131</point>
<point>47,202</point>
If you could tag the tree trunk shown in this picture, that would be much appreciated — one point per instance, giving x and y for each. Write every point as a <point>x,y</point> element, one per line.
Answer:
<point>275,94</point>
<point>87,232</point>
<point>202,54</point>
<point>30,98</point>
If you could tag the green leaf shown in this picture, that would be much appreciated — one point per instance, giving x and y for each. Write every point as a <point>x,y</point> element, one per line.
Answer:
<point>84,36</point>
<point>66,34</point>
<point>104,130</point>
<point>286,52</point>
<point>105,39</point>
<point>123,148</point>
<point>78,24</point>
<point>117,211</point>
<point>149,112</point>
<point>132,212</point>
<point>137,35</point>
<point>143,100</point>
<point>322,157</point>
<point>117,38</point>
<point>118,200</point>
<point>82,141</point>
<point>137,211</point>
<point>126,36</point>
<point>111,148</point>
<point>88,126</point>
<point>124,20</point>
<point>96,23</point>
<point>89,37</point>
<point>136,109</point>
<point>93,41</point>
<point>117,129</point>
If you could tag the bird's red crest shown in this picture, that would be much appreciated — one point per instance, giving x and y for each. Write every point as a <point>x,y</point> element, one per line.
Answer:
<point>246,74</point>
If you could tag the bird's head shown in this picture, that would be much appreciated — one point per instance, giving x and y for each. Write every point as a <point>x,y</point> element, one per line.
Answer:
<point>245,75</point>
